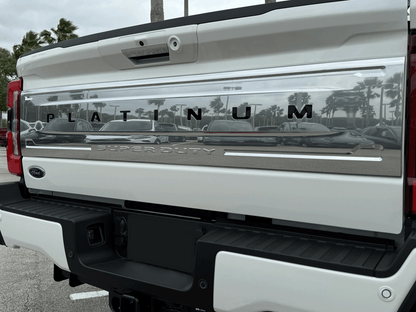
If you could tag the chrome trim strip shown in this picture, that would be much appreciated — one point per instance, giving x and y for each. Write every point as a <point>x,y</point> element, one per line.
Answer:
<point>60,148</point>
<point>191,94</point>
<point>378,64</point>
<point>352,158</point>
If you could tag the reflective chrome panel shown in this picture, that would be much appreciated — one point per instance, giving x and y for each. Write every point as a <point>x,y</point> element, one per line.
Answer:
<point>342,119</point>
<point>310,157</point>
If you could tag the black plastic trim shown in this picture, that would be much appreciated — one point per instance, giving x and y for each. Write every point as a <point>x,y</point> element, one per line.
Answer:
<point>184,21</point>
<point>9,119</point>
<point>408,304</point>
<point>2,240</point>
<point>148,59</point>
<point>59,275</point>
<point>394,259</point>
<point>317,251</point>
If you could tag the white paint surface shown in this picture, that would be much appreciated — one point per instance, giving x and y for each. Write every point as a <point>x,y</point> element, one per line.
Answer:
<point>246,284</point>
<point>34,234</point>
<point>326,199</point>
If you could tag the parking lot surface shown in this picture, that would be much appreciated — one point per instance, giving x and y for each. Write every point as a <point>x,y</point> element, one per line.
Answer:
<point>26,279</point>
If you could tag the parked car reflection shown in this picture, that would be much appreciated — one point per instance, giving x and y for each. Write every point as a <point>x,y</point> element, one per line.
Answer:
<point>51,131</point>
<point>303,127</point>
<point>25,128</point>
<point>171,127</point>
<point>201,138</point>
<point>355,132</point>
<point>300,127</point>
<point>342,138</point>
<point>387,136</point>
<point>184,129</point>
<point>132,125</point>
<point>63,125</point>
<point>232,126</point>
<point>267,129</point>
<point>126,139</point>
<point>96,126</point>
<point>345,139</point>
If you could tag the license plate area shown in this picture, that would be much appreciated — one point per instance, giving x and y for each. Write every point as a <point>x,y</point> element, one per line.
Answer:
<point>163,241</point>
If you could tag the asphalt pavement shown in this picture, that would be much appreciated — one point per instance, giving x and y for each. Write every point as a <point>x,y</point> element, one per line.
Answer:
<point>26,279</point>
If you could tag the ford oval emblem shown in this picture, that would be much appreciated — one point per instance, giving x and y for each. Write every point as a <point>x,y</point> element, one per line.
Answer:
<point>37,172</point>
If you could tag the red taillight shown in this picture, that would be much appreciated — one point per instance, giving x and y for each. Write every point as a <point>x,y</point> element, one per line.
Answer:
<point>14,156</point>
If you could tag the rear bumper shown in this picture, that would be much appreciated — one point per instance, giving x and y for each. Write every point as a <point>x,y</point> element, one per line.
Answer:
<point>223,267</point>
<point>35,234</point>
<point>245,284</point>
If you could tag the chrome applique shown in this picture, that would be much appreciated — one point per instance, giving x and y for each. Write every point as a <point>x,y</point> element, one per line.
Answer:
<point>344,117</point>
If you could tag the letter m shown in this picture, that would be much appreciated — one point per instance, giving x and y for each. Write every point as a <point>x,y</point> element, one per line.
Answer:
<point>306,109</point>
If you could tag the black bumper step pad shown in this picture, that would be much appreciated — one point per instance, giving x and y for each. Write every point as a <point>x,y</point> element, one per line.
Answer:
<point>345,256</point>
<point>55,211</point>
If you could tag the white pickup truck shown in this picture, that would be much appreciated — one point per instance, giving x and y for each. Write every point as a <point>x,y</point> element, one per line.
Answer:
<point>297,195</point>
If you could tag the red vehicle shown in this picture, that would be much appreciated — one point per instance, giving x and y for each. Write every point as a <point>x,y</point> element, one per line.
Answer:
<point>3,136</point>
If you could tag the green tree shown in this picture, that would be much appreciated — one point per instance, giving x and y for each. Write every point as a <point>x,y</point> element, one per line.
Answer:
<point>64,31</point>
<point>329,108</point>
<point>157,103</point>
<point>204,111</point>
<point>216,105</point>
<point>367,86</point>
<point>326,110</point>
<point>275,111</point>
<point>46,36</point>
<point>30,41</point>
<point>265,115</point>
<point>139,112</point>
<point>7,73</point>
<point>293,98</point>
<point>394,91</point>
<point>164,113</point>
<point>174,109</point>
<point>363,112</point>
<point>7,64</point>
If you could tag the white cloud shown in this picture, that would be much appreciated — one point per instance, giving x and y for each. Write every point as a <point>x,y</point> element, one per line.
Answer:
<point>18,17</point>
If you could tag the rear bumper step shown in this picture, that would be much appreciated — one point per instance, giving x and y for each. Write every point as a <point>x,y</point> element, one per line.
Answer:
<point>98,255</point>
